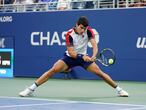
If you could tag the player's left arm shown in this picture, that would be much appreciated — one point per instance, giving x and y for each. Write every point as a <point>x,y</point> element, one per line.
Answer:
<point>91,37</point>
<point>95,49</point>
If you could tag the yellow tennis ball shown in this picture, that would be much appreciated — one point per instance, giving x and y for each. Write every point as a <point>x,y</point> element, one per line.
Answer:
<point>110,61</point>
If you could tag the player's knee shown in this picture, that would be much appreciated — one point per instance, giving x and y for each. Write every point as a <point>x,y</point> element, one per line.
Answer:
<point>55,69</point>
<point>99,72</point>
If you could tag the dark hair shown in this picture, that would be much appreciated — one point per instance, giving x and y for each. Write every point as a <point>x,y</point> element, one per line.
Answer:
<point>83,20</point>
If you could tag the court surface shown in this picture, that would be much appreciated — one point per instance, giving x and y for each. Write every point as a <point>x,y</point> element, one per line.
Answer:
<point>71,94</point>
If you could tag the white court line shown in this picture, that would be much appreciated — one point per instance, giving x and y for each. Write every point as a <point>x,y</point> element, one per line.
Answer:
<point>139,108</point>
<point>39,99</point>
<point>27,105</point>
<point>136,107</point>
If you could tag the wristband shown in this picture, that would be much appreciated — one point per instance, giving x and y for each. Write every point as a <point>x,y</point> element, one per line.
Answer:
<point>79,56</point>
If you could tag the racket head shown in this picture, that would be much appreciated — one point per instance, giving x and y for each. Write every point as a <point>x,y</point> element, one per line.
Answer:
<point>105,56</point>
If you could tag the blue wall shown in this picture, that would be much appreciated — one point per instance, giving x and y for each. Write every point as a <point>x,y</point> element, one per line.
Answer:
<point>122,30</point>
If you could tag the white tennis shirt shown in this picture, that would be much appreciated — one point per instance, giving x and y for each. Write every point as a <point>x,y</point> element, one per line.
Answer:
<point>79,42</point>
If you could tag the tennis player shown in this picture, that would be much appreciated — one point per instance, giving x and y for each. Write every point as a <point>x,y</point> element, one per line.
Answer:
<point>77,39</point>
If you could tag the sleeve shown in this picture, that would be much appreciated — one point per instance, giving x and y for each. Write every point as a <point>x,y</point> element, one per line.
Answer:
<point>69,40</point>
<point>90,33</point>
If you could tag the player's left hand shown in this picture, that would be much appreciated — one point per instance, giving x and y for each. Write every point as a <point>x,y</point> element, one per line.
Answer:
<point>93,59</point>
<point>86,58</point>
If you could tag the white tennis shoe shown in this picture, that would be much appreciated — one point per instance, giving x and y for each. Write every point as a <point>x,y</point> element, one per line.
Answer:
<point>123,93</point>
<point>26,93</point>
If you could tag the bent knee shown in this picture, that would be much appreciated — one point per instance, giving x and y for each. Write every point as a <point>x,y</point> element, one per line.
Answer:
<point>56,69</point>
<point>99,73</point>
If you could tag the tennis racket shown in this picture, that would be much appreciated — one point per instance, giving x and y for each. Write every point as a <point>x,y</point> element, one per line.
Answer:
<point>106,57</point>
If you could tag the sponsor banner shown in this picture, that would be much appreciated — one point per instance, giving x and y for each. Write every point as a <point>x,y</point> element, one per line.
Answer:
<point>4,19</point>
<point>141,42</point>
<point>6,42</point>
<point>6,62</point>
<point>39,40</point>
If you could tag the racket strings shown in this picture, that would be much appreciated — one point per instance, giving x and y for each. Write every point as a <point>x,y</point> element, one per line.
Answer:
<point>104,59</point>
<point>105,56</point>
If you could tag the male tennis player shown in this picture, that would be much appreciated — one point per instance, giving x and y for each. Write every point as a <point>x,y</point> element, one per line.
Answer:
<point>77,39</point>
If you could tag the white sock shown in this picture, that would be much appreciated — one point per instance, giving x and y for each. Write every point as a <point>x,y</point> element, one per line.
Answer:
<point>33,86</point>
<point>118,88</point>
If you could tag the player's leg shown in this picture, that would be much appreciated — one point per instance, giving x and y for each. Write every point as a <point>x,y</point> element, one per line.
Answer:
<point>58,67</point>
<point>95,69</point>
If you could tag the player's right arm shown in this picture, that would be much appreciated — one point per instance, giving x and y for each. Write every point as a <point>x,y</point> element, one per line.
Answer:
<point>73,54</point>
<point>69,45</point>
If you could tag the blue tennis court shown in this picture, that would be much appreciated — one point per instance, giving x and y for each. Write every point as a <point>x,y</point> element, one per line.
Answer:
<point>15,103</point>
<point>71,95</point>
